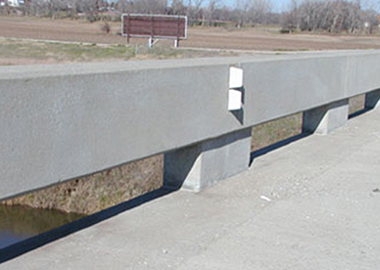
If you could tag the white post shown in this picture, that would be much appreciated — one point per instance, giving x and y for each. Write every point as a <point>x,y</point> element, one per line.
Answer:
<point>150,42</point>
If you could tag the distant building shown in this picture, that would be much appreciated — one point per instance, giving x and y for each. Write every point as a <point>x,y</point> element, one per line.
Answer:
<point>15,3</point>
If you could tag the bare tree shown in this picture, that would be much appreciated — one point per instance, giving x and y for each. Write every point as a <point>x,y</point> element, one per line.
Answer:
<point>40,8</point>
<point>209,12</point>
<point>305,15</point>
<point>332,16</point>
<point>178,7</point>
<point>258,10</point>
<point>371,20</point>
<point>253,11</point>
<point>289,19</point>
<point>142,6</point>
<point>194,10</point>
<point>125,6</point>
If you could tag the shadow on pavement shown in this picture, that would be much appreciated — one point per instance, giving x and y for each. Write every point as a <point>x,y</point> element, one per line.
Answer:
<point>25,246</point>
<point>358,113</point>
<point>277,145</point>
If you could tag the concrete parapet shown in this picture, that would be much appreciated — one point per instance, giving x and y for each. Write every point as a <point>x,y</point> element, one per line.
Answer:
<point>61,122</point>
<point>325,119</point>
<point>198,166</point>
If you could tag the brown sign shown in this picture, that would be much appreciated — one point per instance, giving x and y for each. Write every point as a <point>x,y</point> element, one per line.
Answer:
<point>154,26</point>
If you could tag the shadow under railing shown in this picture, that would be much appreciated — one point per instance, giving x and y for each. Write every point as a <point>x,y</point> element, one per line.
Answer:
<point>37,241</point>
<point>34,242</point>
<point>358,113</point>
<point>272,147</point>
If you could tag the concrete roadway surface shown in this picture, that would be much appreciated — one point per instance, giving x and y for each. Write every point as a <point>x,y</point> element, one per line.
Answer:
<point>313,204</point>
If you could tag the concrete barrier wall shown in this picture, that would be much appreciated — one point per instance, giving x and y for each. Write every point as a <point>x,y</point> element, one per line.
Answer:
<point>59,122</point>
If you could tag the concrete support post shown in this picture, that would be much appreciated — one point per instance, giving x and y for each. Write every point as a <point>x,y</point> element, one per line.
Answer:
<point>325,119</point>
<point>201,165</point>
<point>372,99</point>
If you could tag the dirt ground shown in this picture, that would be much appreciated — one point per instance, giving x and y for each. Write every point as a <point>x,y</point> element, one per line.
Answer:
<point>219,38</point>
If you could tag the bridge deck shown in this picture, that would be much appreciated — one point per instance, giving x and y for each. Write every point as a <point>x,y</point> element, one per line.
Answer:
<point>310,205</point>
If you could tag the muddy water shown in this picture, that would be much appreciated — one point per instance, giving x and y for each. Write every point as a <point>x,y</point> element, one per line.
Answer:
<point>18,223</point>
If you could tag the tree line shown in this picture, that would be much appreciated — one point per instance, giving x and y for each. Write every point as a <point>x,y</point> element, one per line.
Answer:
<point>332,16</point>
<point>349,16</point>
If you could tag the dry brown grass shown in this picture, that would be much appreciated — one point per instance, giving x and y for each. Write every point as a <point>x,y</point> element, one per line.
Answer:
<point>102,190</point>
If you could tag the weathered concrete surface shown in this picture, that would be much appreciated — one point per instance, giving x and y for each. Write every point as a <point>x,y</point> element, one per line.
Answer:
<point>60,122</point>
<point>201,165</point>
<point>309,205</point>
<point>327,118</point>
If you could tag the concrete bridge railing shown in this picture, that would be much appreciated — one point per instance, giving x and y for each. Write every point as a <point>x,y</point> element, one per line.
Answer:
<point>60,122</point>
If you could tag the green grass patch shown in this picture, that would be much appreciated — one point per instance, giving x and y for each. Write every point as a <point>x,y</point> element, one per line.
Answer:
<point>62,52</point>
<point>25,52</point>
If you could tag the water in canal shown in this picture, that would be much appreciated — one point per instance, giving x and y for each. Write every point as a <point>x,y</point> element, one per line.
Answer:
<point>18,223</point>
